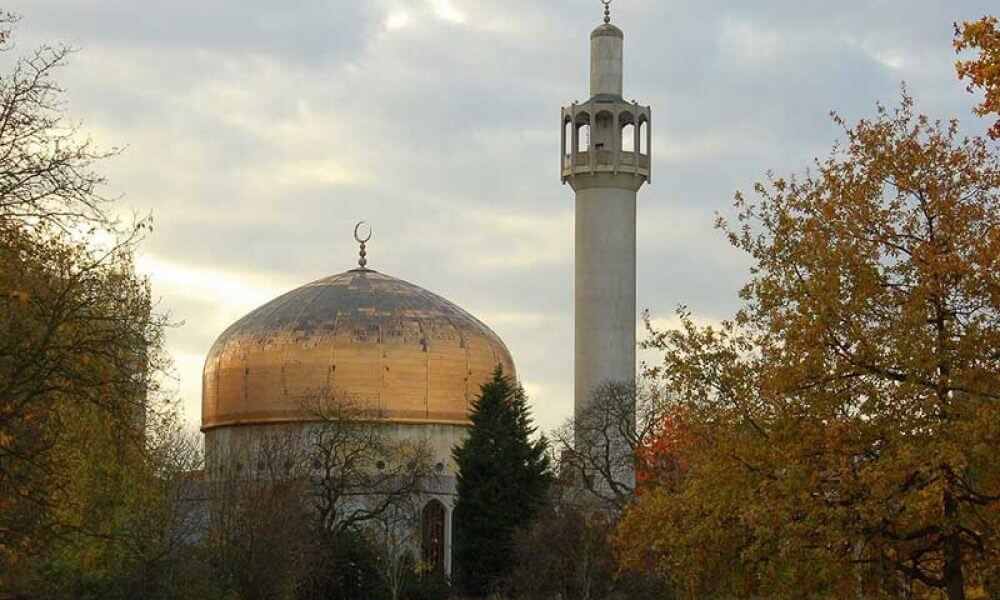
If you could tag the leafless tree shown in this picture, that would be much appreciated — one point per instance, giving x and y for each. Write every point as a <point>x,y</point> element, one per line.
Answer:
<point>46,162</point>
<point>394,534</point>
<point>259,541</point>
<point>598,447</point>
<point>358,469</point>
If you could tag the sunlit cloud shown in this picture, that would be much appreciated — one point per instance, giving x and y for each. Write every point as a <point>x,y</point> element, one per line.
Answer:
<point>397,19</point>
<point>185,384</point>
<point>447,11</point>
<point>548,408</point>
<point>230,291</point>
<point>308,172</point>
<point>226,297</point>
<point>893,59</point>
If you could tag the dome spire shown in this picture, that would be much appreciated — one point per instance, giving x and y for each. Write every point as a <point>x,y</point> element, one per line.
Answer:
<point>607,10</point>
<point>362,261</point>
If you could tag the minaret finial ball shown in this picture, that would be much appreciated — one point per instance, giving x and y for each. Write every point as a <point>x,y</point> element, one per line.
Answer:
<point>362,261</point>
<point>607,10</point>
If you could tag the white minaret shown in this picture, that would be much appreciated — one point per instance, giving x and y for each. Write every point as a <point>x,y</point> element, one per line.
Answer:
<point>606,158</point>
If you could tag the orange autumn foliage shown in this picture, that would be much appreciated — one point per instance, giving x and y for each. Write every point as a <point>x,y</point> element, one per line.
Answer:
<point>840,433</point>
<point>983,71</point>
<point>660,462</point>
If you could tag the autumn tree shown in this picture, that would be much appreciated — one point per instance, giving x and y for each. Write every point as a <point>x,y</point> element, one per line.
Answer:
<point>89,453</point>
<point>842,428</point>
<point>660,457</point>
<point>984,70</point>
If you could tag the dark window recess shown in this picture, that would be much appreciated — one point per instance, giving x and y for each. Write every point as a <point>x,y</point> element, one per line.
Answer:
<point>432,536</point>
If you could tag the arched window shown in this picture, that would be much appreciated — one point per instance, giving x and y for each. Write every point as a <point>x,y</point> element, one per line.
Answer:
<point>432,536</point>
<point>583,137</point>
<point>568,136</point>
<point>643,137</point>
<point>628,138</point>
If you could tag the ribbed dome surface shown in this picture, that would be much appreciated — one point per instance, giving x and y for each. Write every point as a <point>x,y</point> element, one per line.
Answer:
<point>407,354</point>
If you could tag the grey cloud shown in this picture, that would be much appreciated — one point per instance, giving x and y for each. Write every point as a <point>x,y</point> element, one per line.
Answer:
<point>310,31</point>
<point>258,133</point>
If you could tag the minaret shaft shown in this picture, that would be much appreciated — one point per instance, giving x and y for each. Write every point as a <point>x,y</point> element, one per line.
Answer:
<point>605,290</point>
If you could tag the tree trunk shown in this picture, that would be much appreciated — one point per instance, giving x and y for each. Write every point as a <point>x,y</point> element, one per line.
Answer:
<point>953,577</point>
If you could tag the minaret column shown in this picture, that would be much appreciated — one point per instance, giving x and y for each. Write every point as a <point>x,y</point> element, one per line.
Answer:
<point>606,181</point>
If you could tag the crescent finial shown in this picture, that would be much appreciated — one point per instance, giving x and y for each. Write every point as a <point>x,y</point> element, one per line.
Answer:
<point>357,236</point>
<point>362,261</point>
<point>607,10</point>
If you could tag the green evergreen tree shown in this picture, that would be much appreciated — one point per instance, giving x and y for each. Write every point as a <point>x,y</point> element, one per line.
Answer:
<point>503,480</point>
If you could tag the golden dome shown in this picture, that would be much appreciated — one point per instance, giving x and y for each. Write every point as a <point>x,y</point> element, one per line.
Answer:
<point>407,354</point>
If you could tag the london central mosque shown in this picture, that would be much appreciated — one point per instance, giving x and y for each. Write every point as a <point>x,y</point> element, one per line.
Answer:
<point>413,359</point>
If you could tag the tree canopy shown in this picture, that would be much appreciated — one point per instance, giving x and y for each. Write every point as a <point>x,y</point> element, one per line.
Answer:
<point>841,430</point>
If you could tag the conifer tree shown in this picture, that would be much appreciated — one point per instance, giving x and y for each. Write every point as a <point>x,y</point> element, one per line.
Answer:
<point>503,478</point>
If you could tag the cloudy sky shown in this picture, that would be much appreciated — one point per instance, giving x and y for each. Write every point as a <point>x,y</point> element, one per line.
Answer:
<point>259,132</point>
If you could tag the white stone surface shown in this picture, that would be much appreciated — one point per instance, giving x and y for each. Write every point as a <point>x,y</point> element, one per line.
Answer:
<point>237,449</point>
<point>228,443</point>
<point>605,288</point>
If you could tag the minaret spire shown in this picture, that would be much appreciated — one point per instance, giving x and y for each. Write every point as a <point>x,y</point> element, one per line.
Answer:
<point>607,11</point>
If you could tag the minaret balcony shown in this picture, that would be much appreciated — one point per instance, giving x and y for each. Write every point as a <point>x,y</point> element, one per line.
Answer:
<point>606,135</point>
